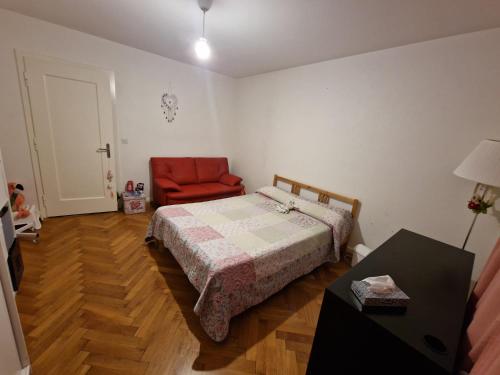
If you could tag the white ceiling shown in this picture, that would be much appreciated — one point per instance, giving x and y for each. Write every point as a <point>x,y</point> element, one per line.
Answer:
<point>256,36</point>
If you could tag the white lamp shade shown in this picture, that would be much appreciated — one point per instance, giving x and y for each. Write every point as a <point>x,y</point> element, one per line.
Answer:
<point>483,164</point>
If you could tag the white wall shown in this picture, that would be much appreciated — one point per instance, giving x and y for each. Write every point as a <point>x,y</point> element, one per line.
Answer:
<point>205,98</point>
<point>387,127</point>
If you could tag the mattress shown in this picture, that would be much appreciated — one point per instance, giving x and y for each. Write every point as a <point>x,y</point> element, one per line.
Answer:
<point>239,251</point>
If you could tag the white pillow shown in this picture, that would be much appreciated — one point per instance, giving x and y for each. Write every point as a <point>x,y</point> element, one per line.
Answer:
<point>277,194</point>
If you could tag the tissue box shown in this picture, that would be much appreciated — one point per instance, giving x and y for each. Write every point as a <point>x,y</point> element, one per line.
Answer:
<point>369,299</point>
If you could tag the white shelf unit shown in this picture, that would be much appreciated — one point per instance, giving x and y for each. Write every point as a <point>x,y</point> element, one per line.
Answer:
<point>14,358</point>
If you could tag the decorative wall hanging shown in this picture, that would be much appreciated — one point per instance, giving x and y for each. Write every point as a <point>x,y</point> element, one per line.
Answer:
<point>169,106</point>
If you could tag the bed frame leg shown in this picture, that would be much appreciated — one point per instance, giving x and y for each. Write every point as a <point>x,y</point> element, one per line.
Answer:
<point>154,243</point>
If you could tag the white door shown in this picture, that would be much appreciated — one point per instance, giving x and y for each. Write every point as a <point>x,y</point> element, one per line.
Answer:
<point>72,114</point>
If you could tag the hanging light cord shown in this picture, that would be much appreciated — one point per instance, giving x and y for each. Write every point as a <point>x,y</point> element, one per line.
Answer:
<point>204,12</point>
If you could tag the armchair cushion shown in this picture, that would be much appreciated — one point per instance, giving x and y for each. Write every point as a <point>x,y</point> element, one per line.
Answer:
<point>211,169</point>
<point>230,180</point>
<point>167,184</point>
<point>180,170</point>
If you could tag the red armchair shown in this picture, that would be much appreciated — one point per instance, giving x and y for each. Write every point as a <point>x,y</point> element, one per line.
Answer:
<point>187,180</point>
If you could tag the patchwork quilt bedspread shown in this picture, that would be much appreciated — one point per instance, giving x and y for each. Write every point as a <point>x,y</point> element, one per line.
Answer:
<point>238,251</point>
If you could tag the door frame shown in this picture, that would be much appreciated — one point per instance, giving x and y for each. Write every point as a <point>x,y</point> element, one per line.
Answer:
<point>20,55</point>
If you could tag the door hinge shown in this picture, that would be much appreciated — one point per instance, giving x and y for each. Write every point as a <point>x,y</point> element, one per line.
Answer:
<point>26,78</point>
<point>35,145</point>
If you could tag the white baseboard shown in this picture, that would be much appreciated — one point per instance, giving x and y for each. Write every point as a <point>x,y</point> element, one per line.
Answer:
<point>25,371</point>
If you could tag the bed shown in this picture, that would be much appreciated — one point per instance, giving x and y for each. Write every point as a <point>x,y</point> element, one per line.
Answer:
<point>239,251</point>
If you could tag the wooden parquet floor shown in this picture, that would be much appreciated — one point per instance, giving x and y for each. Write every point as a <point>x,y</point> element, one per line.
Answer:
<point>96,300</point>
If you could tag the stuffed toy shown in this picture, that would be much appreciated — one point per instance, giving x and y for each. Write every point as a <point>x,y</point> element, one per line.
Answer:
<point>17,201</point>
<point>129,188</point>
<point>139,188</point>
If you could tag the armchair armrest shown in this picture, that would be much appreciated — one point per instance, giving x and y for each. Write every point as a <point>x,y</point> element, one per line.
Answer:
<point>167,184</point>
<point>230,180</point>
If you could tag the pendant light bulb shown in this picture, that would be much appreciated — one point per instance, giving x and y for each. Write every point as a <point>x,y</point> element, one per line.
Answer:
<point>202,49</point>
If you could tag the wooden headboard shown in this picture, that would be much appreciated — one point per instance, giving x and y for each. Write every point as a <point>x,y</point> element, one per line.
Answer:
<point>323,195</point>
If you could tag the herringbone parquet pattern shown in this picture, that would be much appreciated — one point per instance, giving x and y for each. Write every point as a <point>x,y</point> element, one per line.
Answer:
<point>96,300</point>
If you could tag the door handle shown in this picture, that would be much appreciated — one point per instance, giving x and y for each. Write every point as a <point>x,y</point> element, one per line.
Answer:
<point>107,150</point>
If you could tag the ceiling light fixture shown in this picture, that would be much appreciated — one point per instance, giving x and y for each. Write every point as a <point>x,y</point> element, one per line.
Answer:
<point>202,48</point>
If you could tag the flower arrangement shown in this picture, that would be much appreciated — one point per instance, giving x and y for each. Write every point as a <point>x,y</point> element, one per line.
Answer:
<point>479,205</point>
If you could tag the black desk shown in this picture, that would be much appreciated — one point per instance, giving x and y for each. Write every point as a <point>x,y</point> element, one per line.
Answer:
<point>436,277</point>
